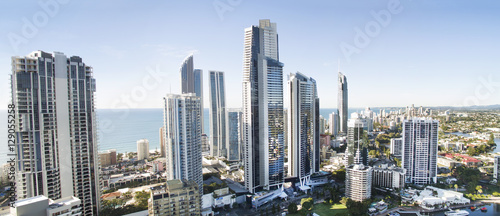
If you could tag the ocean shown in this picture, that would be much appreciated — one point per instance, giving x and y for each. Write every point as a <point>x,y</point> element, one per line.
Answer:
<point>120,129</point>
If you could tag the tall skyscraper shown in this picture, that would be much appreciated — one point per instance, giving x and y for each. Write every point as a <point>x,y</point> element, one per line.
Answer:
<point>263,108</point>
<point>142,149</point>
<point>56,145</point>
<point>234,126</point>
<point>218,115</point>
<point>183,137</point>
<point>420,148</point>
<point>302,128</point>
<point>342,106</point>
<point>192,82</point>
<point>333,124</point>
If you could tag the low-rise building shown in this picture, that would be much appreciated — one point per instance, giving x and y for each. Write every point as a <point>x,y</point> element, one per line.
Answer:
<point>175,197</point>
<point>447,162</point>
<point>432,197</point>
<point>463,159</point>
<point>385,176</point>
<point>43,206</point>
<point>120,180</point>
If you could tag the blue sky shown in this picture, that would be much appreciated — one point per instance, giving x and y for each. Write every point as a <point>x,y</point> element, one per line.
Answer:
<point>429,53</point>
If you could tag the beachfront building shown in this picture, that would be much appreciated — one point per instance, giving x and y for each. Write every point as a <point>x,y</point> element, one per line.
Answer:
<point>142,149</point>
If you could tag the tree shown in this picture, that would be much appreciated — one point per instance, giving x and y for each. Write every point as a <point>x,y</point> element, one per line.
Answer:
<point>387,153</point>
<point>307,203</point>
<point>344,200</point>
<point>292,208</point>
<point>339,174</point>
<point>467,176</point>
<point>479,189</point>
<point>141,199</point>
<point>398,162</point>
<point>357,208</point>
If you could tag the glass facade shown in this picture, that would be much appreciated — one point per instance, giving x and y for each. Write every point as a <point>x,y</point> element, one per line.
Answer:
<point>263,123</point>
<point>303,142</point>
<point>218,128</point>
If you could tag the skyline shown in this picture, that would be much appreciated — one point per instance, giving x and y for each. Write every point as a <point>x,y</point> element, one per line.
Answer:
<point>451,42</point>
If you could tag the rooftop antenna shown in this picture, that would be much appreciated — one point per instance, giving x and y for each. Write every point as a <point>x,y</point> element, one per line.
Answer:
<point>338,64</point>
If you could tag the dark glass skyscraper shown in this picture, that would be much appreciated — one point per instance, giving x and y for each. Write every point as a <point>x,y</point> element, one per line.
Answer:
<point>263,108</point>
<point>192,81</point>
<point>218,115</point>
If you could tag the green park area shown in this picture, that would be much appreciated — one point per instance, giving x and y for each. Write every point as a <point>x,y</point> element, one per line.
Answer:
<point>325,209</point>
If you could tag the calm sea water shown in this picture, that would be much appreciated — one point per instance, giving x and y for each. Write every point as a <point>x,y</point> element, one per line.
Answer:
<point>120,129</point>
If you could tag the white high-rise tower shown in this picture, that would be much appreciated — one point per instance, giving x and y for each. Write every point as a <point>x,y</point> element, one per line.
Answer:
<point>303,133</point>
<point>183,137</point>
<point>420,148</point>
